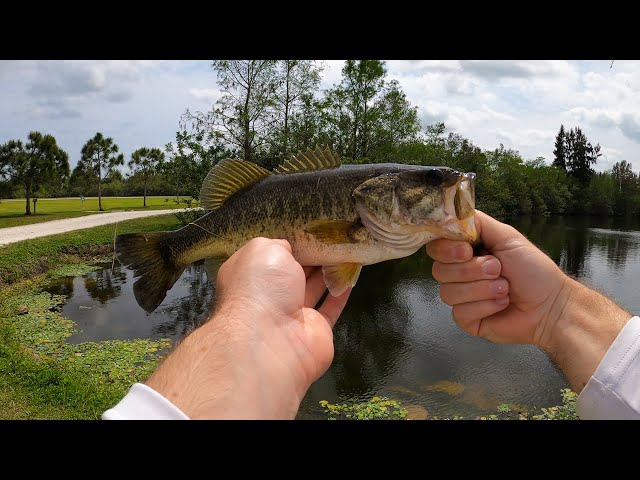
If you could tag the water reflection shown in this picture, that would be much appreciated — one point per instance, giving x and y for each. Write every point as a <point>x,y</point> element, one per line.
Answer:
<point>104,285</point>
<point>395,338</point>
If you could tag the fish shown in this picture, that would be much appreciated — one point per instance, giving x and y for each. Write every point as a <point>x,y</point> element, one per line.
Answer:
<point>338,217</point>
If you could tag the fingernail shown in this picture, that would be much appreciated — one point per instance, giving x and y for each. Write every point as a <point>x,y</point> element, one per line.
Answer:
<point>491,266</point>
<point>503,300</point>
<point>499,286</point>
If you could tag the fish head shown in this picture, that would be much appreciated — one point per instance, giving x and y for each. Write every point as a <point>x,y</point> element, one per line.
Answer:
<point>437,200</point>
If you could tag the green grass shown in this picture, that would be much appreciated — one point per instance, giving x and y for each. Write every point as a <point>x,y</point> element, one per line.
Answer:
<point>12,211</point>
<point>41,376</point>
<point>24,259</point>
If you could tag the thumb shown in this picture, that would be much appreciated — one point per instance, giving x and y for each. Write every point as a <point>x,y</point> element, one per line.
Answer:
<point>493,233</point>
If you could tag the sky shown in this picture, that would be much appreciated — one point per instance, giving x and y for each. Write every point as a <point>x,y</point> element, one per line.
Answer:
<point>520,104</point>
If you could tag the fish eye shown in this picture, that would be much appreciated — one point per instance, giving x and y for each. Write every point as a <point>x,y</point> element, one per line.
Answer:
<point>434,177</point>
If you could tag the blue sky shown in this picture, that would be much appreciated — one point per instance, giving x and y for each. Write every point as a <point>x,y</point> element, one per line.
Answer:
<point>518,103</point>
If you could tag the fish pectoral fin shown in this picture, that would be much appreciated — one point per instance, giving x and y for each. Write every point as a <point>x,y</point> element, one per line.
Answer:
<point>226,178</point>
<point>338,278</point>
<point>334,231</point>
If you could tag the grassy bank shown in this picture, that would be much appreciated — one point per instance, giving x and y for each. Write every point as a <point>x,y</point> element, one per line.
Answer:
<point>41,376</point>
<point>24,259</point>
<point>44,377</point>
<point>12,211</point>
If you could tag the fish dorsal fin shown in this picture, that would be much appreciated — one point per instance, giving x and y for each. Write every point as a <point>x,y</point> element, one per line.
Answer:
<point>338,278</point>
<point>226,178</point>
<point>310,160</point>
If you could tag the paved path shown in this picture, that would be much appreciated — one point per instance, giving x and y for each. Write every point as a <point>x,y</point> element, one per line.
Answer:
<point>17,234</point>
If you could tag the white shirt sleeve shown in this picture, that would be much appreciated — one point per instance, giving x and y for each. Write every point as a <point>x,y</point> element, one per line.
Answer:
<point>144,403</point>
<point>613,392</point>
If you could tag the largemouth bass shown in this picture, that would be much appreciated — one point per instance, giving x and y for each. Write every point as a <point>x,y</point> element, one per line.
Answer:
<point>337,217</point>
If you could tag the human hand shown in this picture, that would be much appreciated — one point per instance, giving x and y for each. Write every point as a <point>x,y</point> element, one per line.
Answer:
<point>508,296</point>
<point>265,344</point>
<point>517,294</point>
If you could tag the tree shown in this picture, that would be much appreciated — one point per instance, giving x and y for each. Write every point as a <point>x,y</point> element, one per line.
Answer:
<point>146,161</point>
<point>190,159</point>
<point>296,81</point>
<point>365,115</point>
<point>38,163</point>
<point>580,155</point>
<point>244,114</point>
<point>98,154</point>
<point>560,159</point>
<point>624,175</point>
<point>627,194</point>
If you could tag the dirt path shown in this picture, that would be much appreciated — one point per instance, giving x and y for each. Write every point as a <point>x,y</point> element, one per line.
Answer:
<point>17,234</point>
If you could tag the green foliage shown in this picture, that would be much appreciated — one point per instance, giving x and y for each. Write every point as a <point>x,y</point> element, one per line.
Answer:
<point>580,155</point>
<point>35,165</point>
<point>566,411</point>
<point>243,115</point>
<point>378,408</point>
<point>99,154</point>
<point>296,81</point>
<point>49,378</point>
<point>146,162</point>
<point>190,213</point>
<point>190,160</point>
<point>365,116</point>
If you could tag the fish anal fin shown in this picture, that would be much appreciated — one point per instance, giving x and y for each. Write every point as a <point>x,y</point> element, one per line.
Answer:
<point>338,278</point>
<point>332,232</point>
<point>226,178</point>
<point>309,161</point>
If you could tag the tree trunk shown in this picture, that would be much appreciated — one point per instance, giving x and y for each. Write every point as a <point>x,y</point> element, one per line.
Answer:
<point>144,202</point>
<point>28,194</point>
<point>286,113</point>
<point>100,190</point>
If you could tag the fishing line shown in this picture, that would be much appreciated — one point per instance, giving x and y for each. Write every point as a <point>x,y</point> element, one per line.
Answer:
<point>208,231</point>
<point>113,262</point>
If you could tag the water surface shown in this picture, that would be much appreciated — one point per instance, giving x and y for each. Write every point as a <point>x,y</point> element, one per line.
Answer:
<point>395,337</point>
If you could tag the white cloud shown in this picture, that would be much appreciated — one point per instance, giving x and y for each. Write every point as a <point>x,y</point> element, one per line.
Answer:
<point>524,138</point>
<point>519,103</point>
<point>209,95</point>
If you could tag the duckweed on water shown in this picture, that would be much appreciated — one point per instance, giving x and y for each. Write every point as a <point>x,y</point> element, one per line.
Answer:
<point>76,381</point>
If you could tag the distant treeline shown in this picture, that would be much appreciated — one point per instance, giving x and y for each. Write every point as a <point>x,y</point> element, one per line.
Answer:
<point>269,110</point>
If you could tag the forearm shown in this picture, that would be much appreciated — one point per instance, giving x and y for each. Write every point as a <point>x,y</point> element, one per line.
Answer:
<point>222,372</point>
<point>586,325</point>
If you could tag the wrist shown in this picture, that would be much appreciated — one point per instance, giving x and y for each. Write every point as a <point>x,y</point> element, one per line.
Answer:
<point>584,325</point>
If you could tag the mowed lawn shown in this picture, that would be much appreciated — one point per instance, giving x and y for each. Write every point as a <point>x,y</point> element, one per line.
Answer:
<point>12,211</point>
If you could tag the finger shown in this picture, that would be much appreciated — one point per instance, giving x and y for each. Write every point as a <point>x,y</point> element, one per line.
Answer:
<point>478,268</point>
<point>457,293</point>
<point>315,288</point>
<point>449,251</point>
<point>332,307</point>
<point>469,316</point>
<point>493,233</point>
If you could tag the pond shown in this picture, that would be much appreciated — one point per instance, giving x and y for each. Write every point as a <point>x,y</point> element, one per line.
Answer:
<point>395,337</point>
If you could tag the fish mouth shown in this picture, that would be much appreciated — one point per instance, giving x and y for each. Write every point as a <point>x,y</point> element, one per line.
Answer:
<point>464,206</point>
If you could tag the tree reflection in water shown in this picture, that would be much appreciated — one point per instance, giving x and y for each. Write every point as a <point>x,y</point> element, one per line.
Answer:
<point>371,335</point>
<point>192,310</point>
<point>104,285</point>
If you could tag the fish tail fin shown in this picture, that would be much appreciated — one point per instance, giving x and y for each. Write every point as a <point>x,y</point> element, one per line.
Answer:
<point>142,253</point>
